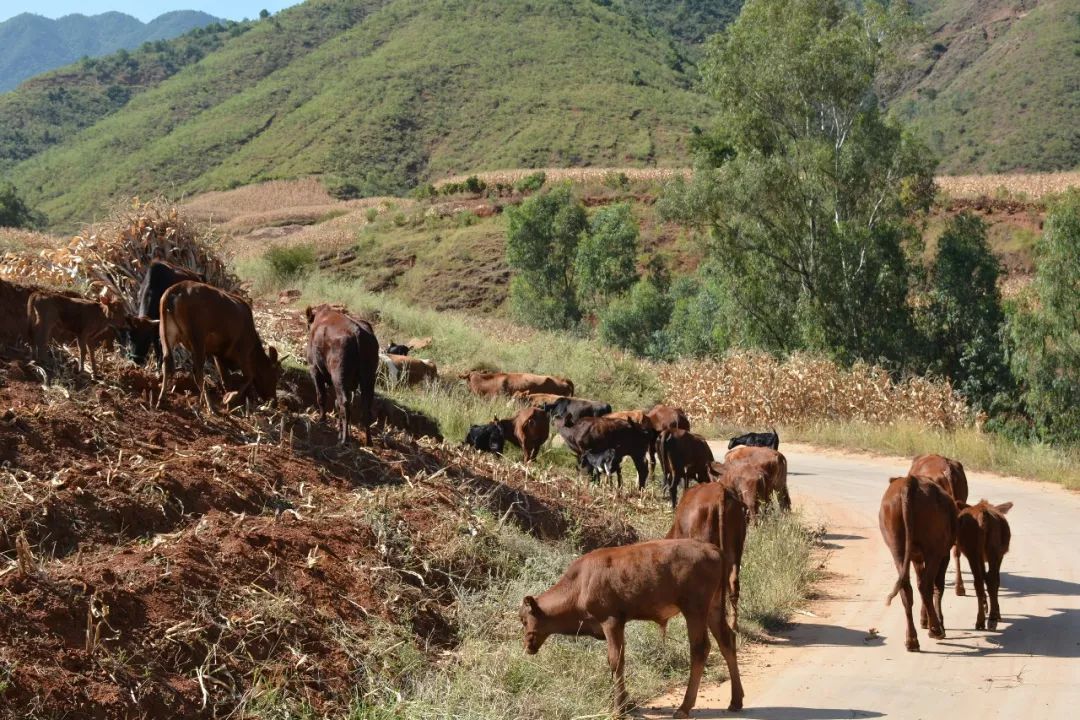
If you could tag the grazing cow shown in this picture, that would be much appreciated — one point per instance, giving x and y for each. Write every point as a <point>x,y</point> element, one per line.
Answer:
<point>528,429</point>
<point>486,438</point>
<point>408,370</point>
<point>608,462</point>
<point>639,417</point>
<point>949,475</point>
<point>918,523</point>
<point>769,440</point>
<point>144,333</point>
<point>983,535</point>
<point>490,384</point>
<point>397,349</point>
<point>683,456</point>
<point>212,323</point>
<point>664,417</point>
<point>749,482</point>
<point>343,353</point>
<point>714,514</point>
<point>576,408</point>
<point>536,400</point>
<point>590,434</point>
<point>774,465</point>
<point>653,581</point>
<point>91,323</point>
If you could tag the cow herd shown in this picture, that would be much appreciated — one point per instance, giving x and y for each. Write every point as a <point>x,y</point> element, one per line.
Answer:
<point>693,571</point>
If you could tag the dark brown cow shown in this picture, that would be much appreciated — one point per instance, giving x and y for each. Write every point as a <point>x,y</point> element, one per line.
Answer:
<point>528,429</point>
<point>491,384</point>
<point>949,475</point>
<point>91,323</point>
<point>212,323</point>
<point>715,514</point>
<point>983,535</point>
<point>344,353</point>
<point>918,523</point>
<point>592,434</point>
<point>774,465</point>
<point>653,581</point>
<point>684,456</point>
<point>639,417</point>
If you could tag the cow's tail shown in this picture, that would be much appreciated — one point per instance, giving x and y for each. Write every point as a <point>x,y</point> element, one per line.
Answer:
<point>669,456</point>
<point>906,499</point>
<point>30,318</point>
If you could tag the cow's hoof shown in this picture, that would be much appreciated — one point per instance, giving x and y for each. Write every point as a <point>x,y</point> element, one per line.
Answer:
<point>982,626</point>
<point>680,713</point>
<point>912,645</point>
<point>937,634</point>
<point>735,705</point>
<point>993,624</point>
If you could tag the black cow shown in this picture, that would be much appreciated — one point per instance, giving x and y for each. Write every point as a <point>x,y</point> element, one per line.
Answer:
<point>143,333</point>
<point>576,408</point>
<point>769,440</point>
<point>486,438</point>
<point>607,461</point>
<point>397,349</point>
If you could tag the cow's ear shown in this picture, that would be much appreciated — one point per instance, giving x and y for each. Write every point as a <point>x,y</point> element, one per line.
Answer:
<point>532,605</point>
<point>272,354</point>
<point>309,313</point>
<point>1003,507</point>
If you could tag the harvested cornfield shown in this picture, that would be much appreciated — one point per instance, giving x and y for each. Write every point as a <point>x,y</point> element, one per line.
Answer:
<point>753,389</point>
<point>1032,186</point>
<point>577,175</point>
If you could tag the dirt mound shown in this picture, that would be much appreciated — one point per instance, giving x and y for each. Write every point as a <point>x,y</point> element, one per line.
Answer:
<point>185,564</point>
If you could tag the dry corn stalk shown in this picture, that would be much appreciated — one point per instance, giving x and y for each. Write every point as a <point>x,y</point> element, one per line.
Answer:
<point>23,556</point>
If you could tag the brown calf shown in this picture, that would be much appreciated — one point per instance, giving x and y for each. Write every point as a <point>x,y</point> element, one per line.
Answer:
<point>714,514</point>
<point>343,353</point>
<point>654,581</point>
<point>983,535</point>
<point>91,322</point>
<point>683,456</point>
<point>918,523</point>
<point>749,483</point>
<point>772,463</point>
<point>409,370</point>
<point>490,384</point>
<point>949,475</point>
<point>528,429</point>
<point>212,323</point>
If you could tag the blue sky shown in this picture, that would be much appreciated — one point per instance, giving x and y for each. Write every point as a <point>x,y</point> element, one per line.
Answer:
<point>143,9</point>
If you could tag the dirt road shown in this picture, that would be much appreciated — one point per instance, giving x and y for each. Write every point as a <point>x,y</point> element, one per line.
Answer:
<point>847,660</point>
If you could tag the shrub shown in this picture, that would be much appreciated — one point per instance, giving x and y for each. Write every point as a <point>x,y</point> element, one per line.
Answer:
<point>531,183</point>
<point>637,321</point>
<point>287,263</point>
<point>425,191</point>
<point>617,180</point>
<point>474,185</point>
<point>14,212</point>
<point>605,265</point>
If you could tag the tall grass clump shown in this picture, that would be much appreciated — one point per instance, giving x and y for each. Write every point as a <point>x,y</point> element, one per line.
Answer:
<point>277,267</point>
<point>777,569</point>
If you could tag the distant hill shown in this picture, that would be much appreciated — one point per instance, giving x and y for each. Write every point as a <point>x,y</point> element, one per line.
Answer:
<point>31,44</point>
<point>383,94</point>
<point>996,87</point>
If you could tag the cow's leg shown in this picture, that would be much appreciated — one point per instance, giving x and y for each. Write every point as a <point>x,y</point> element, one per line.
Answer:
<point>82,353</point>
<point>939,592</point>
<point>198,362</point>
<point>167,367</point>
<point>959,576</point>
<point>341,407</point>
<point>733,582</point>
<point>993,582</point>
<point>616,653</point>
<point>978,579</point>
<point>697,632</point>
<point>319,382</point>
<point>725,640</point>
<point>907,597</point>
<point>927,575</point>
<point>642,470</point>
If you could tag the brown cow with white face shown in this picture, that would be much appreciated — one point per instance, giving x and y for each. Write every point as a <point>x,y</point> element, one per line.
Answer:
<point>654,581</point>
<point>213,323</point>
<point>918,523</point>
<point>949,475</point>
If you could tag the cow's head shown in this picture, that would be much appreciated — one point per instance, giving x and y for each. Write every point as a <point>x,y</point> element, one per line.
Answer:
<point>267,375</point>
<point>535,624</point>
<point>139,335</point>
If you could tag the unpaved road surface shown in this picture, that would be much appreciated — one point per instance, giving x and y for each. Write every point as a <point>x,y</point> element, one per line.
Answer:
<point>847,660</point>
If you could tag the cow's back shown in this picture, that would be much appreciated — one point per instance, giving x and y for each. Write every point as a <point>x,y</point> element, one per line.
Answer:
<point>945,472</point>
<point>932,516</point>
<point>219,323</point>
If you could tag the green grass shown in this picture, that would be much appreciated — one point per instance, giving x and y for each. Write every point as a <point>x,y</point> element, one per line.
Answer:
<point>976,450</point>
<point>477,84</point>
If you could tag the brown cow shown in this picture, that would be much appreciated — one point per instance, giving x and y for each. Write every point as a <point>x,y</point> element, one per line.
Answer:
<point>714,514</point>
<point>490,384</point>
<point>918,523</point>
<point>528,429</point>
<point>344,353</point>
<point>536,399</point>
<point>91,323</point>
<point>664,417</point>
<point>983,535</point>
<point>773,463</point>
<point>949,475</point>
<point>683,456</point>
<point>211,322</point>
<point>593,434</point>
<point>750,483</point>
<point>408,370</point>
<point>652,581</point>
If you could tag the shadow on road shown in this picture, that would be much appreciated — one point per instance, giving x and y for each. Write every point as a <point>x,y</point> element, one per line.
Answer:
<point>840,536</point>
<point>788,713</point>
<point>1027,585</point>
<point>1022,636</point>
<point>819,635</point>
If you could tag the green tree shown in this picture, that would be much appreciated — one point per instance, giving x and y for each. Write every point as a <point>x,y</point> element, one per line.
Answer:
<point>637,321</point>
<point>702,321</point>
<point>963,318</point>
<point>606,262</point>
<point>1045,331</point>
<point>14,212</point>
<point>541,246</point>
<point>807,186</point>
